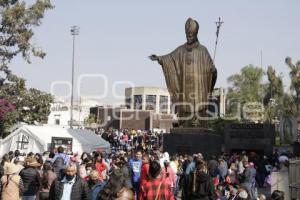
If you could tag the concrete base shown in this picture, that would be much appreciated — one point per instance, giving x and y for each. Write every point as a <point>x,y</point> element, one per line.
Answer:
<point>192,140</point>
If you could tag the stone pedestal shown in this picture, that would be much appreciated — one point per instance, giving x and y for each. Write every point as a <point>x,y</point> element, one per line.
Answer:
<point>192,140</point>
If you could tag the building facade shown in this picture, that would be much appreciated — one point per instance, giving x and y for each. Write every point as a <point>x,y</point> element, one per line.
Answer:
<point>155,99</point>
<point>60,114</point>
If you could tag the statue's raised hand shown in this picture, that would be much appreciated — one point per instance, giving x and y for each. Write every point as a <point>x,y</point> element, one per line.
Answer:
<point>154,57</point>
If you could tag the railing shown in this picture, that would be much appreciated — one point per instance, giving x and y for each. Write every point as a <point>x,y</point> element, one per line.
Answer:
<point>294,179</point>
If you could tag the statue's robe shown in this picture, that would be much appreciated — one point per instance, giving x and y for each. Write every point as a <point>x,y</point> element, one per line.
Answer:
<point>190,76</point>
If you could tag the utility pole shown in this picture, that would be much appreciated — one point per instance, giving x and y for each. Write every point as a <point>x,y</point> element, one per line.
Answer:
<point>74,32</point>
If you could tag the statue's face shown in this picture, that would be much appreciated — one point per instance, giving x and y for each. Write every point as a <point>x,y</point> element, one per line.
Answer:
<point>191,36</point>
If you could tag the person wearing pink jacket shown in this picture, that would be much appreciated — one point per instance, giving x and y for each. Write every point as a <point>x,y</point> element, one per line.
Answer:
<point>168,174</point>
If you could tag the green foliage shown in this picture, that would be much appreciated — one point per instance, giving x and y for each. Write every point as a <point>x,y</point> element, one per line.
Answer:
<point>90,119</point>
<point>295,81</point>
<point>32,106</point>
<point>219,125</point>
<point>245,87</point>
<point>274,96</point>
<point>17,20</point>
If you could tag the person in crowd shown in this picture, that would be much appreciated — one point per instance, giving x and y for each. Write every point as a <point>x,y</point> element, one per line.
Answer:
<point>126,171</point>
<point>250,182</point>
<point>19,162</point>
<point>51,156</point>
<point>11,185</point>
<point>84,156</point>
<point>261,197</point>
<point>174,164</point>
<point>11,155</point>
<point>69,187</point>
<point>82,168</point>
<point>94,185</point>
<point>48,177</point>
<point>156,187</point>
<point>145,169</point>
<point>17,153</point>
<point>200,183</point>
<point>116,188</point>
<point>277,195</point>
<point>242,194</point>
<point>231,177</point>
<point>101,166</point>
<point>31,178</point>
<point>212,166</point>
<point>136,167</point>
<point>60,160</point>
<point>261,171</point>
<point>222,170</point>
<point>5,161</point>
<point>168,175</point>
<point>188,159</point>
<point>39,158</point>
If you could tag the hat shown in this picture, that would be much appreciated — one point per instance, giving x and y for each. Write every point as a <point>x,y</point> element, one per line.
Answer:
<point>243,194</point>
<point>32,162</point>
<point>191,25</point>
<point>11,169</point>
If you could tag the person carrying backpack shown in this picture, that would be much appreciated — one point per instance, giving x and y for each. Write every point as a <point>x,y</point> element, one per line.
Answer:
<point>60,160</point>
<point>11,184</point>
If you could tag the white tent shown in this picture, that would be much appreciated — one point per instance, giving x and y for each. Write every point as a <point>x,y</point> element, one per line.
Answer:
<point>38,139</point>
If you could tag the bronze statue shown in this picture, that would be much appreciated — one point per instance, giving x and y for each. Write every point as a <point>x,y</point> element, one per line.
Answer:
<point>190,74</point>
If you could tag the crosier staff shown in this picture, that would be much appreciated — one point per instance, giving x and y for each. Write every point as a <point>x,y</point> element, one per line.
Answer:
<point>218,23</point>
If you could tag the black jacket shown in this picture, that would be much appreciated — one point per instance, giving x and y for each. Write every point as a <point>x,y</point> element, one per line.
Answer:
<point>31,181</point>
<point>204,189</point>
<point>79,190</point>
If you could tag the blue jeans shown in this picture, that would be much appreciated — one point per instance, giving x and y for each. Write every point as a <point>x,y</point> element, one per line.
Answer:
<point>136,187</point>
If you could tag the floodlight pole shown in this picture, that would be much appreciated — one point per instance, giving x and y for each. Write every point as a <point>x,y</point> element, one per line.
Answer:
<point>74,32</point>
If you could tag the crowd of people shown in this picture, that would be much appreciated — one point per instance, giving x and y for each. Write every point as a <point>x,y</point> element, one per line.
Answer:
<point>137,170</point>
<point>126,139</point>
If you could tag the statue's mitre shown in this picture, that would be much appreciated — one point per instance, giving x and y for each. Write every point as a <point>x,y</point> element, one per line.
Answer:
<point>191,25</point>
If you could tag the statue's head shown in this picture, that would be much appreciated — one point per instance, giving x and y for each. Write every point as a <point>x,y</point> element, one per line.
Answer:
<point>191,30</point>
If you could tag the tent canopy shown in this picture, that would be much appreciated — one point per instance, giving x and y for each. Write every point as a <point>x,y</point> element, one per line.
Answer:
<point>37,139</point>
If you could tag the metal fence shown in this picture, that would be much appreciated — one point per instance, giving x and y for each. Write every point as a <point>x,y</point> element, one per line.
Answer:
<point>294,179</point>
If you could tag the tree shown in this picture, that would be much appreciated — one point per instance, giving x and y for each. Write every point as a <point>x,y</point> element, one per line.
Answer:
<point>273,99</point>
<point>295,80</point>
<point>31,105</point>
<point>90,119</point>
<point>17,20</point>
<point>245,88</point>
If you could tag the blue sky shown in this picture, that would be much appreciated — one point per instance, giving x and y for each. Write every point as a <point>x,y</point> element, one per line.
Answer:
<point>117,36</point>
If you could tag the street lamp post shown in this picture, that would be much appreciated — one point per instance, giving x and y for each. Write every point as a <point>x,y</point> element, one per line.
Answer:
<point>74,32</point>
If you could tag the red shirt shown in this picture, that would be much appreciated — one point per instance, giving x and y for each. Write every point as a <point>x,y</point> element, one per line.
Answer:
<point>100,167</point>
<point>150,189</point>
<point>144,173</point>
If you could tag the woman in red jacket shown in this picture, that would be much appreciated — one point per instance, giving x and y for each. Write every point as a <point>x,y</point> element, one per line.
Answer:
<point>101,166</point>
<point>145,169</point>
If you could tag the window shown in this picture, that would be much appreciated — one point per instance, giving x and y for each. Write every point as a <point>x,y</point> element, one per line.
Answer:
<point>163,104</point>
<point>22,142</point>
<point>57,119</point>
<point>138,100</point>
<point>57,122</point>
<point>128,103</point>
<point>150,102</point>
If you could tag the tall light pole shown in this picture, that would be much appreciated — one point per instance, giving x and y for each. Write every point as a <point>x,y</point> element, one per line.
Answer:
<point>74,32</point>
